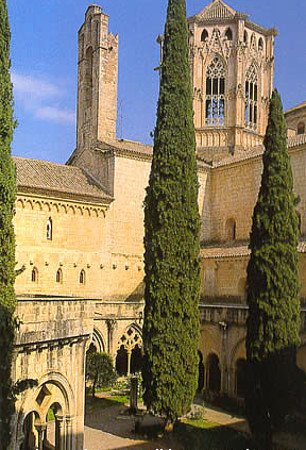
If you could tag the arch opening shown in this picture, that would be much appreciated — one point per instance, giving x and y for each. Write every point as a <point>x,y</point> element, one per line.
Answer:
<point>129,354</point>
<point>213,373</point>
<point>241,377</point>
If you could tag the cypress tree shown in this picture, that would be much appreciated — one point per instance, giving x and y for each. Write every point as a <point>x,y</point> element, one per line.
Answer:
<point>7,238</point>
<point>273,288</point>
<point>171,323</point>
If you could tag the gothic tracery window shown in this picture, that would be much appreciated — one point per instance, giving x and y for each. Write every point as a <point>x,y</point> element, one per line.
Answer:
<point>251,98</point>
<point>215,93</point>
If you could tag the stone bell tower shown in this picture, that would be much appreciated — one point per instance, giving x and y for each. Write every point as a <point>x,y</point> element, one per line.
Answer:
<point>232,62</point>
<point>97,80</point>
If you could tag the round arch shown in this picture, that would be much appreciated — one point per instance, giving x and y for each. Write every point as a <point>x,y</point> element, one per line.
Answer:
<point>52,388</point>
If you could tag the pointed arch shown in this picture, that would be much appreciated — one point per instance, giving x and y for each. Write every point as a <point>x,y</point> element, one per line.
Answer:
<point>215,92</point>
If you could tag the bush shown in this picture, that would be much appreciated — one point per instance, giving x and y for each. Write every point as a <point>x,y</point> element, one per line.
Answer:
<point>100,371</point>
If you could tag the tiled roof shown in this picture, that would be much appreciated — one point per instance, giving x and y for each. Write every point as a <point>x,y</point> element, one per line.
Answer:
<point>123,145</point>
<point>296,108</point>
<point>38,176</point>
<point>234,250</point>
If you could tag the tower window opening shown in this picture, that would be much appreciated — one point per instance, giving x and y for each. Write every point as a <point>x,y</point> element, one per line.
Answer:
<point>301,128</point>
<point>251,98</point>
<point>215,93</point>
<point>245,37</point>
<point>204,35</point>
<point>229,34</point>
<point>260,44</point>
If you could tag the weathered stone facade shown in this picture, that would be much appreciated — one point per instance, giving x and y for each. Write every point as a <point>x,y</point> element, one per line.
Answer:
<point>79,226</point>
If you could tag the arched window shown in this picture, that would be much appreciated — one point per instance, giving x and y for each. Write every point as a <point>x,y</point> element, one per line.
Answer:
<point>251,98</point>
<point>82,277</point>
<point>49,229</point>
<point>245,37</point>
<point>59,276</point>
<point>34,275</point>
<point>229,34</point>
<point>204,35</point>
<point>260,44</point>
<point>230,230</point>
<point>215,93</point>
<point>301,128</point>
<point>89,75</point>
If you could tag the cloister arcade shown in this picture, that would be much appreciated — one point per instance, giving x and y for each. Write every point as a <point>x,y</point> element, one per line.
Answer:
<point>45,419</point>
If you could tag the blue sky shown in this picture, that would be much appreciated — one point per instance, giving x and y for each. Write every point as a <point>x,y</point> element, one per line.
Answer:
<point>44,64</point>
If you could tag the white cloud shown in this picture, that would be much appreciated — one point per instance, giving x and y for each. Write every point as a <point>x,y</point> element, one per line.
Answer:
<point>41,98</point>
<point>55,114</point>
<point>34,86</point>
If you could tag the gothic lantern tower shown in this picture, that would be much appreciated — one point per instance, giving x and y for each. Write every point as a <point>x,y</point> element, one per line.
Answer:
<point>232,61</point>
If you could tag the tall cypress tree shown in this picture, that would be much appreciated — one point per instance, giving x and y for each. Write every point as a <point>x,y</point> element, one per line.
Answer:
<point>273,287</point>
<point>7,238</point>
<point>171,324</point>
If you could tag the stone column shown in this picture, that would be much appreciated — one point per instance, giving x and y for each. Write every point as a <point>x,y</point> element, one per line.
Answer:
<point>68,433</point>
<point>129,357</point>
<point>41,430</point>
<point>223,362</point>
<point>111,324</point>
<point>60,430</point>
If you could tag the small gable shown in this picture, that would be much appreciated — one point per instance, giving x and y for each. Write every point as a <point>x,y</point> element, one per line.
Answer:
<point>217,10</point>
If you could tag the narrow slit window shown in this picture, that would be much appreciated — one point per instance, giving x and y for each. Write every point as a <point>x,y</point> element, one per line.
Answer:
<point>82,277</point>
<point>49,230</point>
<point>59,276</point>
<point>34,275</point>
